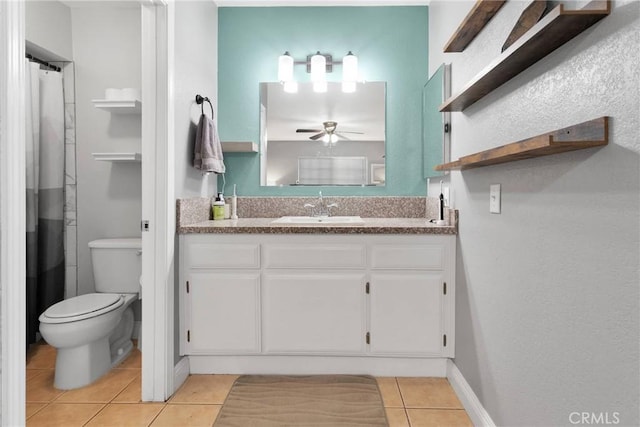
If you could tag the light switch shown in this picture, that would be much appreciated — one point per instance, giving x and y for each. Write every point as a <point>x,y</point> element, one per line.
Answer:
<point>494,198</point>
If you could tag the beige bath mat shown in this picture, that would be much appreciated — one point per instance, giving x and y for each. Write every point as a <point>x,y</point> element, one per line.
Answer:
<point>318,400</point>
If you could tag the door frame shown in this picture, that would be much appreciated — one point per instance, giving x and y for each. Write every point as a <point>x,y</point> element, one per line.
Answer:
<point>158,201</point>
<point>12,212</point>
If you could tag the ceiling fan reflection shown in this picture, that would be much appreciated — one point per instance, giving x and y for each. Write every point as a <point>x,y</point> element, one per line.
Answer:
<point>328,133</point>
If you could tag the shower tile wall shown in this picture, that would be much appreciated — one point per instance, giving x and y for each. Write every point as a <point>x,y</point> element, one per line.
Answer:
<point>70,225</point>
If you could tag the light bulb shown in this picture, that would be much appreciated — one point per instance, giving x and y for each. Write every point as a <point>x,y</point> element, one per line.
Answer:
<point>350,68</point>
<point>334,138</point>
<point>349,73</point>
<point>318,72</point>
<point>326,138</point>
<point>285,67</point>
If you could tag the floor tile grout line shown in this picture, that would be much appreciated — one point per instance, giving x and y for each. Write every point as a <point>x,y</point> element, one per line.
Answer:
<point>400,392</point>
<point>122,390</point>
<point>94,415</point>
<point>439,408</point>
<point>164,406</point>
<point>45,405</point>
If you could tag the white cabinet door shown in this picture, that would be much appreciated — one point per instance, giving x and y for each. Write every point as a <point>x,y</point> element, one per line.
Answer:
<point>406,313</point>
<point>313,312</point>
<point>223,312</point>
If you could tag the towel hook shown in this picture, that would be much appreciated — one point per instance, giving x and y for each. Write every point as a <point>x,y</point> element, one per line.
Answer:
<point>201,100</point>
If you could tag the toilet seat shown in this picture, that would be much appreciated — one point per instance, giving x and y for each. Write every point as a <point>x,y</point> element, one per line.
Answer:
<point>82,307</point>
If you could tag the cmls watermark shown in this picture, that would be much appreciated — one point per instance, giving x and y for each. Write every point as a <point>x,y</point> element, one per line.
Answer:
<point>595,418</point>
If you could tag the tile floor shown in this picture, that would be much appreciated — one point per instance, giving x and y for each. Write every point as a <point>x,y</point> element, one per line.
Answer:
<point>114,400</point>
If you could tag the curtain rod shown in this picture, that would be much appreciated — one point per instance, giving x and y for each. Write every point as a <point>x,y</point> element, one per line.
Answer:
<point>41,62</point>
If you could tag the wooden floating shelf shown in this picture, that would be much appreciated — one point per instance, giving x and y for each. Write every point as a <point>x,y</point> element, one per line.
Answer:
<point>555,29</point>
<point>473,23</point>
<point>593,133</point>
<point>239,147</point>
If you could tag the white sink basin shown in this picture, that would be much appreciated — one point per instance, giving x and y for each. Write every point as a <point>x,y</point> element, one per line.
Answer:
<point>330,220</point>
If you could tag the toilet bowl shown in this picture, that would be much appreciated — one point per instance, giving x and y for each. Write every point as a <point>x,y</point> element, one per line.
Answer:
<point>92,332</point>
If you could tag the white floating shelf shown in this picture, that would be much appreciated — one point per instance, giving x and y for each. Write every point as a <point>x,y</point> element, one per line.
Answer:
<point>239,147</point>
<point>117,157</point>
<point>119,106</point>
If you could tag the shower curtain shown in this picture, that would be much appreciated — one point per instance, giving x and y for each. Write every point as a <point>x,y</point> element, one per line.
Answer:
<point>45,196</point>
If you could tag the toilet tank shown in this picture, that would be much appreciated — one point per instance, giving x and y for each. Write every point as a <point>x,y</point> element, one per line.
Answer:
<point>117,264</point>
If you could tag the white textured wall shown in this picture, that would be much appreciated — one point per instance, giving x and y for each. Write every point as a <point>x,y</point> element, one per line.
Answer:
<point>106,46</point>
<point>196,72</point>
<point>547,292</point>
<point>48,27</point>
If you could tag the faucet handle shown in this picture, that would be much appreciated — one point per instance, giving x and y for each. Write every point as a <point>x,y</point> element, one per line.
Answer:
<point>329,206</point>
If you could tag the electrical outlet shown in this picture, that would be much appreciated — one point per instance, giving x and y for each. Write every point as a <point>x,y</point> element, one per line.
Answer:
<point>494,198</point>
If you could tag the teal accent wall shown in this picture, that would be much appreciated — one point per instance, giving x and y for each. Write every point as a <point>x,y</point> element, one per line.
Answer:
<point>391,44</point>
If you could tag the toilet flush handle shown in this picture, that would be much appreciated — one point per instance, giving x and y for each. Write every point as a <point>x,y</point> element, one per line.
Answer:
<point>139,252</point>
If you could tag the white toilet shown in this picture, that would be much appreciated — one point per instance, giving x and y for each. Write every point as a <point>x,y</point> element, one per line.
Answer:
<point>93,332</point>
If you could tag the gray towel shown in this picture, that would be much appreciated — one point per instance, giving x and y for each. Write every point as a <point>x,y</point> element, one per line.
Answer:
<point>207,155</point>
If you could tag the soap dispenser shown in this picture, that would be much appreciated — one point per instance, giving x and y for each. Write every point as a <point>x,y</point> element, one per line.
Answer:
<point>218,207</point>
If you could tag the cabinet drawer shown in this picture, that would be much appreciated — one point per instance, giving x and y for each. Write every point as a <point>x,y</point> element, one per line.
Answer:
<point>314,256</point>
<point>222,255</point>
<point>398,256</point>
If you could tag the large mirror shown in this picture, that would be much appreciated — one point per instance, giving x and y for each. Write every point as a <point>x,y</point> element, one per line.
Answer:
<point>436,125</point>
<point>331,138</point>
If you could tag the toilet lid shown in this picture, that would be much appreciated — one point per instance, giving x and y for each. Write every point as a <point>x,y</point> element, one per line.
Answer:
<point>83,304</point>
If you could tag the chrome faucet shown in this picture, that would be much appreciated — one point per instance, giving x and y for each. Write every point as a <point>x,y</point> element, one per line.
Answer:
<point>321,208</point>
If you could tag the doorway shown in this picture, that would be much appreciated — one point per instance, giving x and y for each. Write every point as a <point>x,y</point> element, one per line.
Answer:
<point>157,336</point>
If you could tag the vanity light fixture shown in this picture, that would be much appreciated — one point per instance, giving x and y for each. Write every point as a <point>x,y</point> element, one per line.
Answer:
<point>318,65</point>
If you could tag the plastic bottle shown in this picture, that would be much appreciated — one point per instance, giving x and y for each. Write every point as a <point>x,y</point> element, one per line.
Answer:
<point>218,207</point>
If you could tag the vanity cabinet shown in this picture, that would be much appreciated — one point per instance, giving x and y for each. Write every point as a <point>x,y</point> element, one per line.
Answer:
<point>313,313</point>
<point>221,289</point>
<point>409,305</point>
<point>347,299</point>
<point>313,298</point>
<point>406,314</point>
<point>226,307</point>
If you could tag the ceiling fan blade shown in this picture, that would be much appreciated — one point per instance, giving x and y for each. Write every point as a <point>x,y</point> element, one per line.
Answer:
<point>317,136</point>
<point>348,131</point>
<point>308,130</point>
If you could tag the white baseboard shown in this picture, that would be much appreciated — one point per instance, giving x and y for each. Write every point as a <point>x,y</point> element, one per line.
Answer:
<point>180,373</point>
<point>479,416</point>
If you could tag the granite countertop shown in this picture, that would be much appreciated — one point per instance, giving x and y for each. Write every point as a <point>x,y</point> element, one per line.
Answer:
<point>370,226</point>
